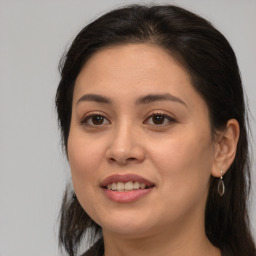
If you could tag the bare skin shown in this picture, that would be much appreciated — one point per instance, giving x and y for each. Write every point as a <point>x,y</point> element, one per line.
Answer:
<point>136,112</point>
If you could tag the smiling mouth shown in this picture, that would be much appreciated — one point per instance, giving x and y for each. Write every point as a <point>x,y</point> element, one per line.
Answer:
<point>127,182</point>
<point>127,186</point>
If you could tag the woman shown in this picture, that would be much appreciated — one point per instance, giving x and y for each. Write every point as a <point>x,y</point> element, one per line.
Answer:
<point>152,115</point>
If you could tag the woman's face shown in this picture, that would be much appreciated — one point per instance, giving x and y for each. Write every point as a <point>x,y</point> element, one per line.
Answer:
<point>140,146</point>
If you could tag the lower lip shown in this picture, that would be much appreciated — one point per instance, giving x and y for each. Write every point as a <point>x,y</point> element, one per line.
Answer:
<point>126,196</point>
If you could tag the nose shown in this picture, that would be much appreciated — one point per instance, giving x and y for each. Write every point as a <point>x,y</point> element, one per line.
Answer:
<point>125,146</point>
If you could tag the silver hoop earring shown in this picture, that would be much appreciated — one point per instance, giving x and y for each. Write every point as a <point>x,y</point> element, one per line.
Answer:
<point>221,186</point>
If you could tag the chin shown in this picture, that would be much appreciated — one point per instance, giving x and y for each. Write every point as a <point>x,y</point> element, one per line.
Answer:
<point>133,232</point>
<point>127,225</point>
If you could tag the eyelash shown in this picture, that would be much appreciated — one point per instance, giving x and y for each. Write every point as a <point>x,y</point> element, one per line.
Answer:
<point>85,120</point>
<point>167,118</point>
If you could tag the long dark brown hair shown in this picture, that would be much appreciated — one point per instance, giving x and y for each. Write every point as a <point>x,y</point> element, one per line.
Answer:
<point>209,59</point>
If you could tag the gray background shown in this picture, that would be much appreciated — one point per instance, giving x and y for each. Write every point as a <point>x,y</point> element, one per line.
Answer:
<point>33,170</point>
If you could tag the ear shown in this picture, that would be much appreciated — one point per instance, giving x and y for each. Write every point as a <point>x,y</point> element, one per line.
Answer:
<point>225,148</point>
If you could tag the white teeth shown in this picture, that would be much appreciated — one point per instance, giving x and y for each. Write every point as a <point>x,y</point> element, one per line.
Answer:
<point>136,185</point>
<point>127,186</point>
<point>142,185</point>
<point>120,186</point>
<point>114,187</point>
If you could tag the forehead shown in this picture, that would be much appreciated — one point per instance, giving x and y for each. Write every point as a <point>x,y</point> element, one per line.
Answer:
<point>134,68</point>
<point>136,57</point>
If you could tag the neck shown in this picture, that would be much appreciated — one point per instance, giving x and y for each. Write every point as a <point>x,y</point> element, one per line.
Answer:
<point>161,246</point>
<point>189,240</point>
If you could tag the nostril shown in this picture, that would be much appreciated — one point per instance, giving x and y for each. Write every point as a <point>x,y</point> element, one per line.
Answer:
<point>125,154</point>
<point>125,160</point>
<point>131,159</point>
<point>112,159</point>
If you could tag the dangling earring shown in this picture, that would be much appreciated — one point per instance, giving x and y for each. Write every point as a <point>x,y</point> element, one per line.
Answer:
<point>74,196</point>
<point>221,186</point>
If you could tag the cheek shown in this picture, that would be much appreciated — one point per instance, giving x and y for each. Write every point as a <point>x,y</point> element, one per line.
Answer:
<point>184,161</point>
<point>84,159</point>
<point>184,166</point>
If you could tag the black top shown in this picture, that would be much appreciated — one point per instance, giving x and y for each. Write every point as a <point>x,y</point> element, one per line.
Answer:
<point>98,250</point>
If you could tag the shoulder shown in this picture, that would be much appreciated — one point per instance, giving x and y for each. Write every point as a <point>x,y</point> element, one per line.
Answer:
<point>98,250</point>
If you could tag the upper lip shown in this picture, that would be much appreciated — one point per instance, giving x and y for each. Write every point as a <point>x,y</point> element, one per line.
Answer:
<point>125,178</point>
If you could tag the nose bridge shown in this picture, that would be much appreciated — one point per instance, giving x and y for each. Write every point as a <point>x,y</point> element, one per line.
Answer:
<point>125,145</point>
<point>123,137</point>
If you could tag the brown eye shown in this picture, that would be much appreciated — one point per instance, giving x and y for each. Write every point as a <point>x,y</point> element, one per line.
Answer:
<point>159,120</point>
<point>95,120</point>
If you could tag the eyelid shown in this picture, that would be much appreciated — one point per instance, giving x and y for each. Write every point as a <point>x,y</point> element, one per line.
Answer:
<point>169,117</point>
<point>89,115</point>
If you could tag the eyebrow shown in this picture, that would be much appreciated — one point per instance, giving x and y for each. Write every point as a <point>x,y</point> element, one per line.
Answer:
<point>150,98</point>
<point>159,97</point>
<point>95,98</point>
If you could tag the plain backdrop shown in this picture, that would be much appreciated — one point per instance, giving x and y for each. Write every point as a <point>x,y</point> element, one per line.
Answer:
<point>33,169</point>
